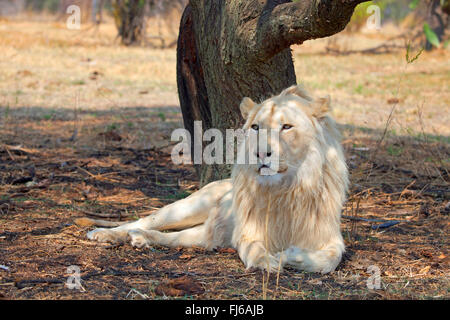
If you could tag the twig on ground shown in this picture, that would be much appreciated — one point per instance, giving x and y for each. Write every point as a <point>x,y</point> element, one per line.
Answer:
<point>368,220</point>
<point>109,272</point>
<point>112,215</point>
<point>99,176</point>
<point>383,48</point>
<point>19,148</point>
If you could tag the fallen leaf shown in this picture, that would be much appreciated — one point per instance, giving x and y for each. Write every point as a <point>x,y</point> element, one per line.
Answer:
<point>84,222</point>
<point>442,256</point>
<point>186,256</point>
<point>24,73</point>
<point>179,287</point>
<point>393,100</point>
<point>426,253</point>
<point>226,250</point>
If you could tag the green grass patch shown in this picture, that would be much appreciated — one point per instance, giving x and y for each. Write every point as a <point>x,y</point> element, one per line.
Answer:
<point>111,127</point>
<point>78,82</point>
<point>394,151</point>
<point>179,195</point>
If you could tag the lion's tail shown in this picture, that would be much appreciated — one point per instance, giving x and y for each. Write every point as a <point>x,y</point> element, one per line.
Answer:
<point>88,222</point>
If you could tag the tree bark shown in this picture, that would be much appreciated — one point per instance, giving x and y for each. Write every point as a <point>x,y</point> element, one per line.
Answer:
<point>190,81</point>
<point>230,49</point>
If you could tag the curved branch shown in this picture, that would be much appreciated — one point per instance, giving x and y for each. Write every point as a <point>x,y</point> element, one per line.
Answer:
<point>281,25</point>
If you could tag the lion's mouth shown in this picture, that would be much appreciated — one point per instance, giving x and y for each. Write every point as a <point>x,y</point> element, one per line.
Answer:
<point>266,170</point>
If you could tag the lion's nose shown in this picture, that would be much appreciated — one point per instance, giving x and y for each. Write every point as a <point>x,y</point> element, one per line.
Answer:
<point>263,155</point>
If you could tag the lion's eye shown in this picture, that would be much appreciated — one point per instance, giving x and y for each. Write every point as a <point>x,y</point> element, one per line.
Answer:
<point>286,127</point>
<point>255,127</point>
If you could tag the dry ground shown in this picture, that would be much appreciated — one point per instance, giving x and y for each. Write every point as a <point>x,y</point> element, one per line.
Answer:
<point>93,120</point>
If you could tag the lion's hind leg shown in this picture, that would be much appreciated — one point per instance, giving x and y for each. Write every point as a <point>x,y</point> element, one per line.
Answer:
<point>182,214</point>
<point>195,236</point>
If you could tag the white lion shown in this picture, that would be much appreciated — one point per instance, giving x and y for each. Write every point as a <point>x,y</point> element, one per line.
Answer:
<point>288,217</point>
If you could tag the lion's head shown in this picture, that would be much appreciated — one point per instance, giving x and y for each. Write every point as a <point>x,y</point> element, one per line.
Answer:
<point>289,138</point>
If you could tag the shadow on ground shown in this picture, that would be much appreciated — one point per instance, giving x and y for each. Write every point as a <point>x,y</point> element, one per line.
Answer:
<point>116,164</point>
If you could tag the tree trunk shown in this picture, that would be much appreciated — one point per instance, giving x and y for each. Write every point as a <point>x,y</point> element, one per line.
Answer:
<point>437,19</point>
<point>230,49</point>
<point>129,16</point>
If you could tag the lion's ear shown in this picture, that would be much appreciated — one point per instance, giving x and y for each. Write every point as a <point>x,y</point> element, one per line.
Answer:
<point>246,106</point>
<point>297,90</point>
<point>321,107</point>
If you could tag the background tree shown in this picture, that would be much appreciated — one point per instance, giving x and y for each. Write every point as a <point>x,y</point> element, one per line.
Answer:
<point>437,21</point>
<point>228,49</point>
<point>129,16</point>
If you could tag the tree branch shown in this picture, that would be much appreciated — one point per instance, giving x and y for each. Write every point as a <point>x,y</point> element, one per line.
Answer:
<point>281,25</point>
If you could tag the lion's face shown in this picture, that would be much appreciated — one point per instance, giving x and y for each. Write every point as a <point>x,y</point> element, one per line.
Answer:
<point>280,133</point>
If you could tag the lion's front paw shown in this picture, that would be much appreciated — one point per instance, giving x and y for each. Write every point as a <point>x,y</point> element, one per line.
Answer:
<point>268,263</point>
<point>104,235</point>
<point>292,256</point>
<point>139,239</point>
<point>281,256</point>
<point>293,253</point>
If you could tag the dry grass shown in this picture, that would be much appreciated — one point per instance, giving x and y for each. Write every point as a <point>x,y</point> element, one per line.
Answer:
<point>92,119</point>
